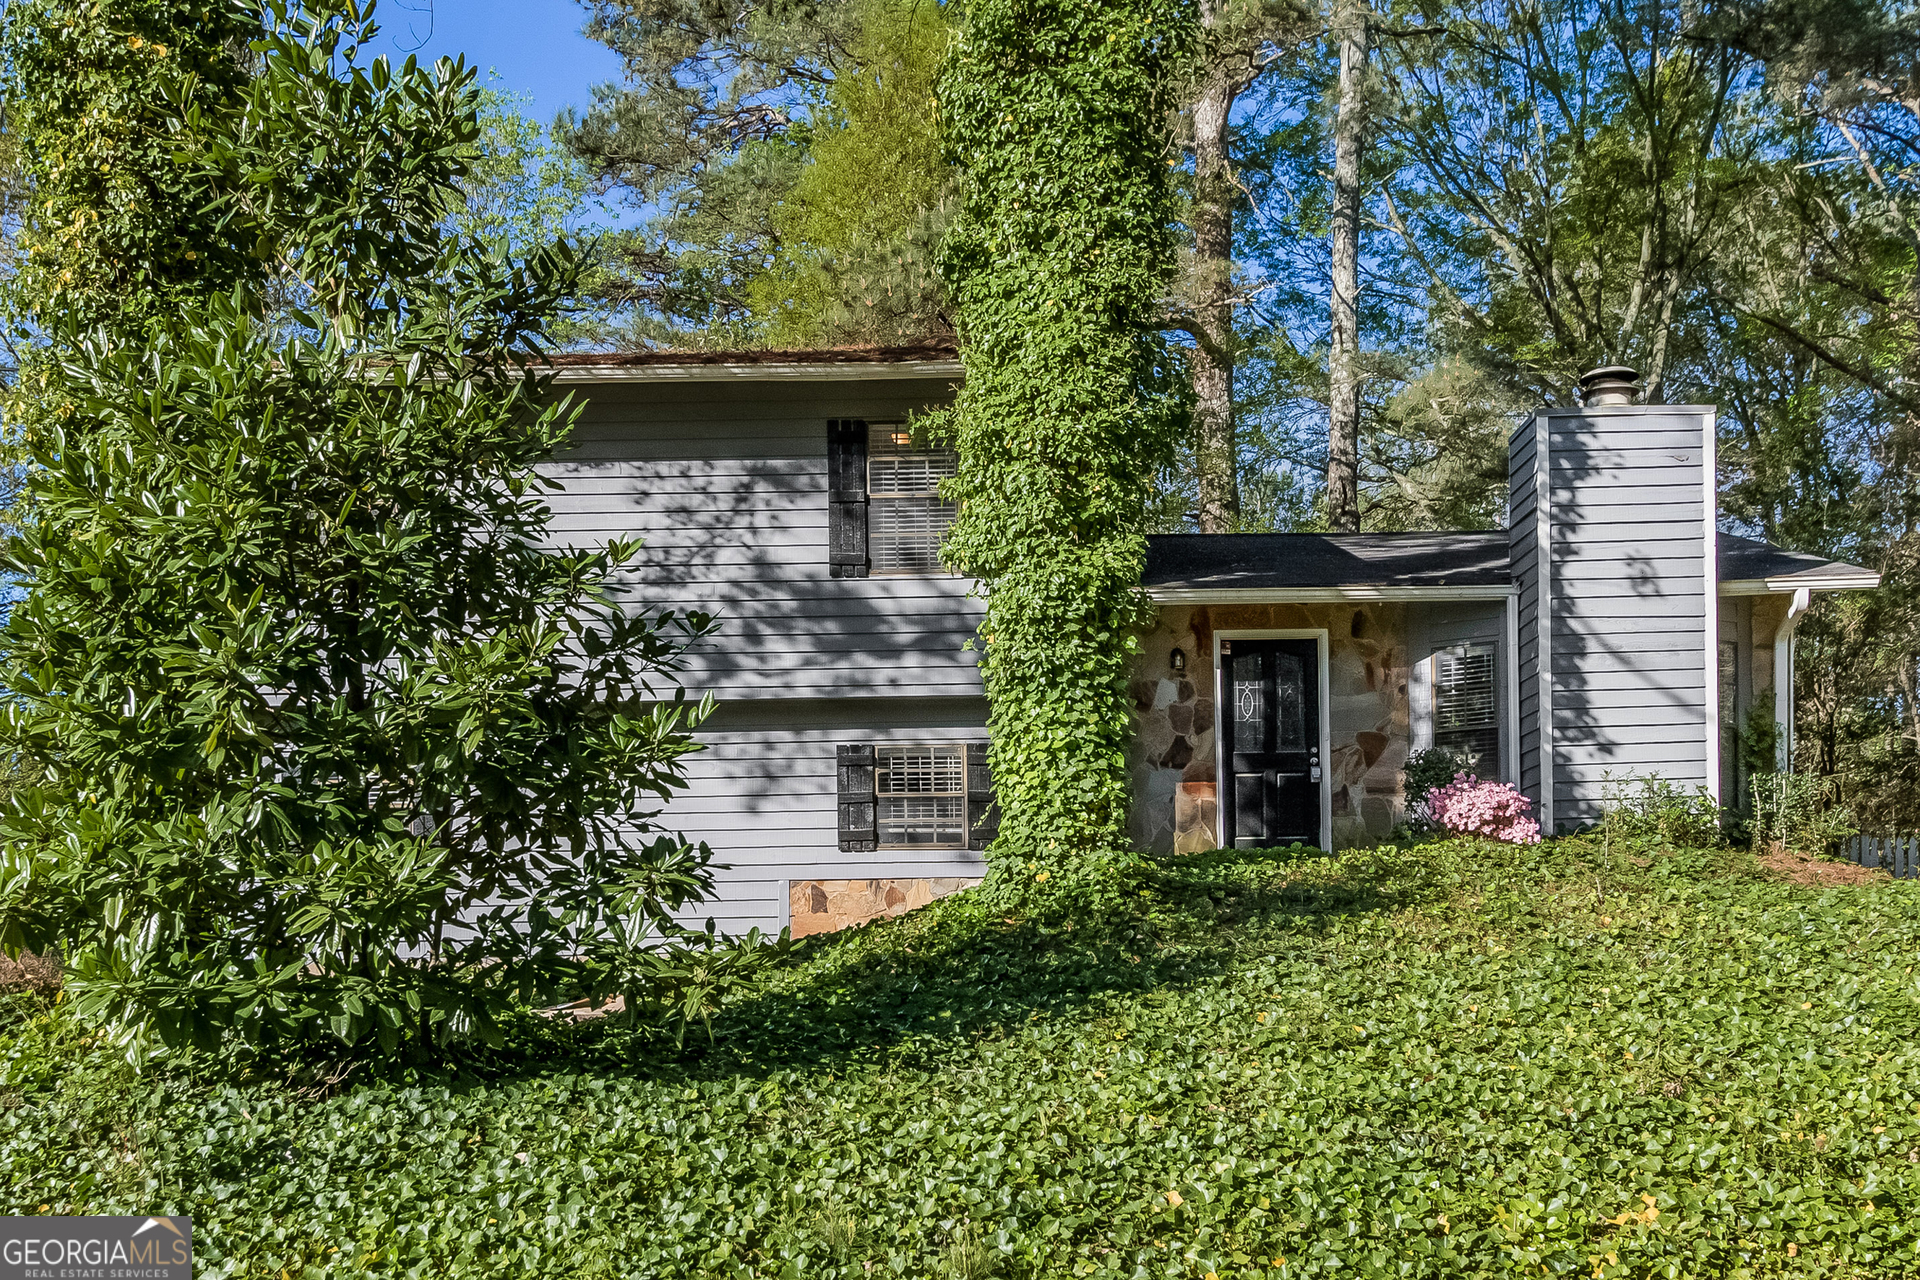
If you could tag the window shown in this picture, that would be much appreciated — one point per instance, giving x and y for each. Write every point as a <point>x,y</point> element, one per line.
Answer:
<point>921,797</point>
<point>907,515</point>
<point>1466,710</point>
<point>914,797</point>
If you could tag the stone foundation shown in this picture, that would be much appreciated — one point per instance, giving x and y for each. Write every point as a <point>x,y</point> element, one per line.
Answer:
<point>823,906</point>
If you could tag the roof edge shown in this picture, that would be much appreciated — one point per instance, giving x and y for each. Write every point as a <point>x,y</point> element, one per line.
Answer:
<point>1854,580</point>
<point>760,371</point>
<point>1324,595</point>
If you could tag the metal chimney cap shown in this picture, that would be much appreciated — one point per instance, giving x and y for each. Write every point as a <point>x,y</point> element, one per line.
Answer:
<point>1614,384</point>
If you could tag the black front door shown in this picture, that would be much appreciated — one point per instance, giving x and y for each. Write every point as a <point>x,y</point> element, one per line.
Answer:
<point>1271,729</point>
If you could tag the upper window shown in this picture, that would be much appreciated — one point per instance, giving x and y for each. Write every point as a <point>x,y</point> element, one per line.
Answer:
<point>920,794</point>
<point>1466,708</point>
<point>907,516</point>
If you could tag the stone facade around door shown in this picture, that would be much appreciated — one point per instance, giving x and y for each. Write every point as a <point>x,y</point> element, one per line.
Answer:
<point>1173,762</point>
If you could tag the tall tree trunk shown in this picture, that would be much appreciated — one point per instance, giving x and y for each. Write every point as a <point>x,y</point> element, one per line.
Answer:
<point>1215,458</point>
<point>1343,399</point>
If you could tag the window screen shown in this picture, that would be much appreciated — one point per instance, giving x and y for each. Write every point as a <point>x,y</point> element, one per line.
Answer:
<point>921,793</point>
<point>1466,710</point>
<point>906,515</point>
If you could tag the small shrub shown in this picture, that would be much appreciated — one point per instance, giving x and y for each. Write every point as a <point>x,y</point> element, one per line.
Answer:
<point>1469,807</point>
<point>1426,772</point>
<point>1649,807</point>
<point>1798,811</point>
<point>1431,769</point>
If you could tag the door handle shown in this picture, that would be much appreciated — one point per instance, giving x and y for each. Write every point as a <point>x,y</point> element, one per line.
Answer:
<point>1314,774</point>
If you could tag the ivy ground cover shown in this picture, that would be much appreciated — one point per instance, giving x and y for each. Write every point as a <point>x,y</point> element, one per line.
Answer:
<point>1455,1060</point>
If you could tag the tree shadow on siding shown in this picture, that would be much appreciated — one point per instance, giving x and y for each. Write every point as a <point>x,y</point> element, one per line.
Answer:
<point>1604,630</point>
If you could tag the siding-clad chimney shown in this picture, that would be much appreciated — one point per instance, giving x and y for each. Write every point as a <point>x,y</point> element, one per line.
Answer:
<point>1612,517</point>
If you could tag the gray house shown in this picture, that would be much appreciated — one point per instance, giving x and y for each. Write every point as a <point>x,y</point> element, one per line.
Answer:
<point>1609,631</point>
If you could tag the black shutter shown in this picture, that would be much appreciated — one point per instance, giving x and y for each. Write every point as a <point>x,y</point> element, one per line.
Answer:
<point>847,498</point>
<point>857,831</point>
<point>983,813</point>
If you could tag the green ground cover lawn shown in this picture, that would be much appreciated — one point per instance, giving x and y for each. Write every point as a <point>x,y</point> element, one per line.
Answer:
<point>1449,1061</point>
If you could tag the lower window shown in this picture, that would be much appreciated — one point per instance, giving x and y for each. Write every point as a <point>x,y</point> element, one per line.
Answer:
<point>1466,709</point>
<point>920,796</point>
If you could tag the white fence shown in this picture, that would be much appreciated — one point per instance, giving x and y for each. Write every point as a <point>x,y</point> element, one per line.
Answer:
<point>1898,854</point>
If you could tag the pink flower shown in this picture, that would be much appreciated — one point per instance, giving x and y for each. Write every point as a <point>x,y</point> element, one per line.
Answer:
<point>1469,807</point>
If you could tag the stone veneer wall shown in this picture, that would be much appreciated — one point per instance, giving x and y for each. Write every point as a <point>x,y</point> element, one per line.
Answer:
<point>1172,760</point>
<point>823,906</point>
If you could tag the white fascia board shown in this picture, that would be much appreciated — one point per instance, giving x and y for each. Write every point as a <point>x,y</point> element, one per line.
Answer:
<point>1319,595</point>
<point>1786,586</point>
<point>848,371</point>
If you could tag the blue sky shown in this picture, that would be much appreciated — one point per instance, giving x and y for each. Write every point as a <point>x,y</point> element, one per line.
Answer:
<point>533,46</point>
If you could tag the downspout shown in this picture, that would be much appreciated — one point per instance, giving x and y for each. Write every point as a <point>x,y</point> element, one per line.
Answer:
<point>1783,679</point>
<point>1510,722</point>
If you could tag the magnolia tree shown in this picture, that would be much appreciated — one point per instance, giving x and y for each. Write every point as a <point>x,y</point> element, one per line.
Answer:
<point>327,738</point>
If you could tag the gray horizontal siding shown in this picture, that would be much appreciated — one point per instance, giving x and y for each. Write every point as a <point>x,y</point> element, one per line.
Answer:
<point>1595,680</point>
<point>763,798</point>
<point>1527,521</point>
<point>726,486</point>
<point>1609,660</point>
<point>1654,444</point>
<point>1631,720</point>
<point>1624,763</point>
<point>1629,600</point>
<point>1579,507</point>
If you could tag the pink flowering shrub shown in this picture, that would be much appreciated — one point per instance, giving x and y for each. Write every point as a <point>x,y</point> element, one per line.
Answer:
<point>1469,807</point>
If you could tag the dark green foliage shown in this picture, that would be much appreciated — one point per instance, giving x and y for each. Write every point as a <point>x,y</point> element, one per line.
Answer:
<point>328,742</point>
<point>1798,811</point>
<point>1448,1061</point>
<point>1434,767</point>
<point>1650,808</point>
<point>1056,263</point>
<point>115,229</point>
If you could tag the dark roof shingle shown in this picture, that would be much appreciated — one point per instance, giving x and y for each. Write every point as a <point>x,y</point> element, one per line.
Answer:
<point>1748,559</point>
<point>1262,561</point>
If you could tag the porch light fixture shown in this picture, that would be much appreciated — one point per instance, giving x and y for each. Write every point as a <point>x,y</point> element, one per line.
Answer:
<point>1178,661</point>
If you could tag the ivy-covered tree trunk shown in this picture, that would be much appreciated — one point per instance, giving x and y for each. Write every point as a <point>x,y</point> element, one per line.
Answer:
<point>116,233</point>
<point>1061,253</point>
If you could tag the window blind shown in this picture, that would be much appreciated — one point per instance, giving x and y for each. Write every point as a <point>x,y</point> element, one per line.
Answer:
<point>906,517</point>
<point>921,797</point>
<point>1466,706</point>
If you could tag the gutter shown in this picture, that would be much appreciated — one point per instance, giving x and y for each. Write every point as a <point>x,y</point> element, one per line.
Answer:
<point>1797,583</point>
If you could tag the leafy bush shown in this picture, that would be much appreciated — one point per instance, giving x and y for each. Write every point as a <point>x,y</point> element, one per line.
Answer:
<point>1468,1059</point>
<point>1799,811</point>
<point>1469,807</point>
<point>1426,771</point>
<point>1431,769</point>
<point>1650,808</point>
<point>328,740</point>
